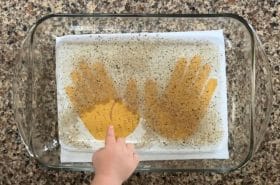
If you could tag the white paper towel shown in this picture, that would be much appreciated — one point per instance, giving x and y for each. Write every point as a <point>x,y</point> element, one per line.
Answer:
<point>77,144</point>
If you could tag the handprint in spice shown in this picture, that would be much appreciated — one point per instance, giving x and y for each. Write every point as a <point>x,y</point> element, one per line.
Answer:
<point>96,100</point>
<point>177,113</point>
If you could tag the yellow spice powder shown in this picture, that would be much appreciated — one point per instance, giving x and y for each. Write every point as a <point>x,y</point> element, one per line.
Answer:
<point>115,113</point>
<point>177,113</point>
<point>95,99</point>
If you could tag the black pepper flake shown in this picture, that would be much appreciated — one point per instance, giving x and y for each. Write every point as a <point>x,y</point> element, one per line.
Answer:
<point>274,24</point>
<point>49,9</point>
<point>127,6</point>
<point>24,28</point>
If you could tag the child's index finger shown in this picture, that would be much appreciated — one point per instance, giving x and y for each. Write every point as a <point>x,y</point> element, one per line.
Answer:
<point>110,136</point>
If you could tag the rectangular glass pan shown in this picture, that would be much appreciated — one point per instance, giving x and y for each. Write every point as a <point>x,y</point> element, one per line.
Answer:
<point>248,83</point>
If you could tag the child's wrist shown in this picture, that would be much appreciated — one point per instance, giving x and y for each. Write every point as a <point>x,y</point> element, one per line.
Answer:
<point>105,180</point>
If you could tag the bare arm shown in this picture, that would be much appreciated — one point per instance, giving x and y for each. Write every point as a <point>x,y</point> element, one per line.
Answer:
<point>115,162</point>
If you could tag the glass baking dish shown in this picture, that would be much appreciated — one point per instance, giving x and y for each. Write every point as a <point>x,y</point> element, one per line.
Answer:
<point>247,69</point>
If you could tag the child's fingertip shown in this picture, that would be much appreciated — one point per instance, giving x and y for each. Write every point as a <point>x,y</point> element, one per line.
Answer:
<point>110,138</point>
<point>110,130</point>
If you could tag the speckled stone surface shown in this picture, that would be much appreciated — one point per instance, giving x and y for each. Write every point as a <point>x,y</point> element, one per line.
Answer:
<point>17,16</point>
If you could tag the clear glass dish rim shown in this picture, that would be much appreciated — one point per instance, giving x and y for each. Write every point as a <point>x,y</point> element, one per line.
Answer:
<point>109,15</point>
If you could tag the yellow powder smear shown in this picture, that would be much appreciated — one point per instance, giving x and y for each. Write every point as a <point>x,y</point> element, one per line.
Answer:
<point>95,99</point>
<point>116,113</point>
<point>177,113</point>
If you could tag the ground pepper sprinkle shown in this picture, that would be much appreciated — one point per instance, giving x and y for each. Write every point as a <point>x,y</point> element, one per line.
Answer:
<point>175,114</point>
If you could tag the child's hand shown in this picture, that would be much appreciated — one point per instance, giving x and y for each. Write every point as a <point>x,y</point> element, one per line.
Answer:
<point>115,162</point>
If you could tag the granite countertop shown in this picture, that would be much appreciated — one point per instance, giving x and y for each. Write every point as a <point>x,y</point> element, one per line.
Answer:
<point>17,16</point>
